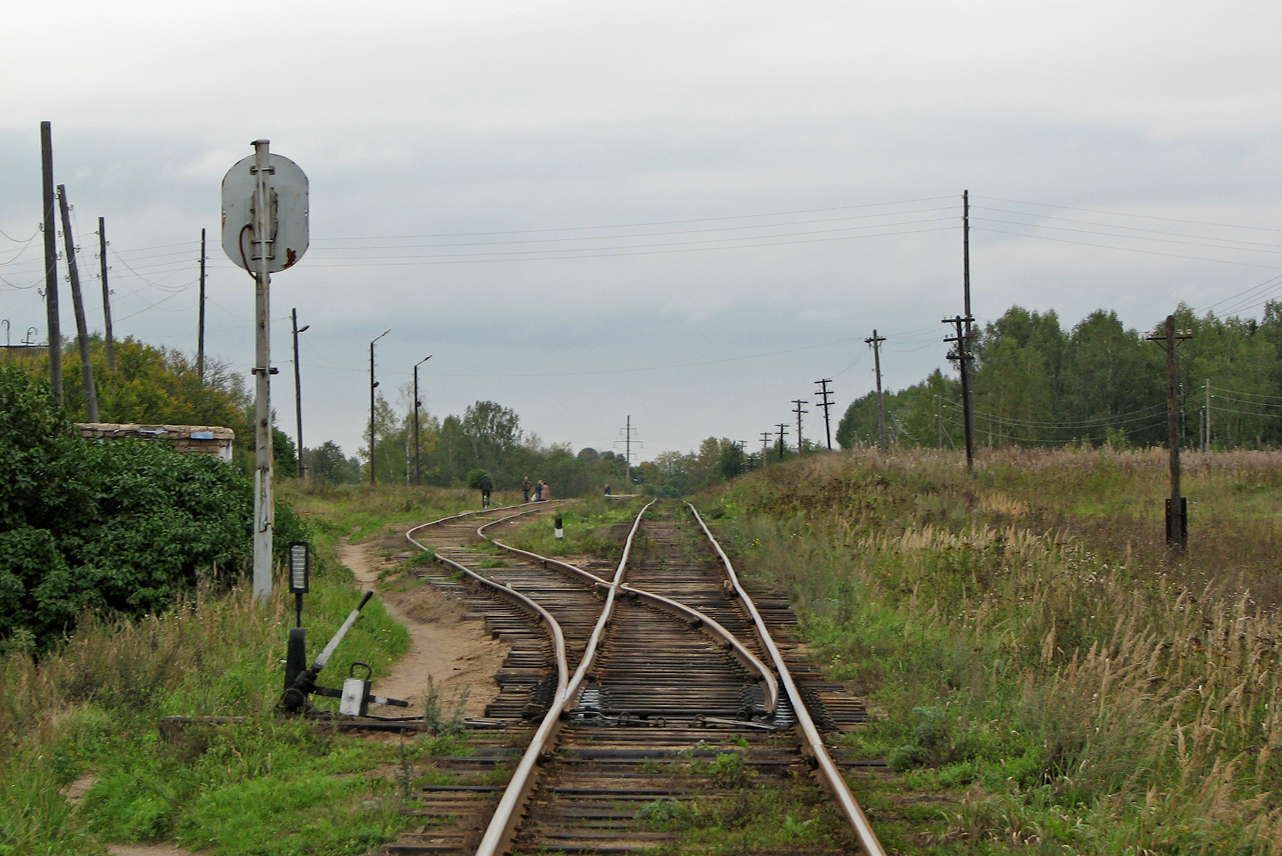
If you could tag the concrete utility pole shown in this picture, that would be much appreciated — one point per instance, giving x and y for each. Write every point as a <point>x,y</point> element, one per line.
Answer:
<point>963,357</point>
<point>797,410</point>
<point>1177,523</point>
<point>106,294</point>
<point>298,382</point>
<point>876,341</point>
<point>783,432</point>
<point>51,263</point>
<point>82,327</point>
<point>200,323</point>
<point>373,385</point>
<point>825,403</point>
<point>418,471</point>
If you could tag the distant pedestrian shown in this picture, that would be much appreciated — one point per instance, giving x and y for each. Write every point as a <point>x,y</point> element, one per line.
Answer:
<point>607,489</point>
<point>487,485</point>
<point>538,491</point>
<point>525,488</point>
<point>547,491</point>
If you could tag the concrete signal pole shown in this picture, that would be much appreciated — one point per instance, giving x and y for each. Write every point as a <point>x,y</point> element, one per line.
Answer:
<point>265,230</point>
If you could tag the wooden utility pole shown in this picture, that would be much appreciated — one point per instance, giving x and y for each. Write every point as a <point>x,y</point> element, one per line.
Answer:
<point>1206,437</point>
<point>106,294</point>
<point>876,341</point>
<point>200,336</point>
<point>298,381</point>
<point>826,403</point>
<point>963,357</point>
<point>797,410</point>
<point>765,448</point>
<point>783,431</point>
<point>82,327</point>
<point>51,263</point>
<point>968,351</point>
<point>1177,523</point>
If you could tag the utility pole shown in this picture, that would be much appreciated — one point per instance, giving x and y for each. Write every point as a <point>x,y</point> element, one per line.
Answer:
<point>82,327</point>
<point>627,446</point>
<point>765,448</point>
<point>298,381</point>
<point>1206,441</point>
<point>51,263</point>
<point>966,365</point>
<point>418,461</point>
<point>1177,522</point>
<point>783,431</point>
<point>963,357</point>
<point>200,342</point>
<point>373,385</point>
<point>825,403</point>
<point>797,410</point>
<point>106,294</point>
<point>876,341</point>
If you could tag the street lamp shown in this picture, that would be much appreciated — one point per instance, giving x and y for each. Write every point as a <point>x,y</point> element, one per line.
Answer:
<point>373,385</point>
<point>298,388</point>
<point>418,473</point>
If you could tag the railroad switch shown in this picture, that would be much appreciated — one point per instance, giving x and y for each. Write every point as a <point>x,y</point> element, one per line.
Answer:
<point>300,681</point>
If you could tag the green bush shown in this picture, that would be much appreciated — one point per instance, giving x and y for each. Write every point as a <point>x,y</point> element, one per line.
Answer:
<point>118,528</point>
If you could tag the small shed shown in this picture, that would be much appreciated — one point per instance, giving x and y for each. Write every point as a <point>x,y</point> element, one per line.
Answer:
<point>208,439</point>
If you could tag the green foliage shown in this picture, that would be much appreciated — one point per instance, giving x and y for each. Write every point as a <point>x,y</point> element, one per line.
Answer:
<point>1097,383</point>
<point>117,527</point>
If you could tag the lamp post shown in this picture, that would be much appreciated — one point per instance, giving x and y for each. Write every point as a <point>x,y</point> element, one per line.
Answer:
<point>373,385</point>
<point>298,389</point>
<point>418,473</point>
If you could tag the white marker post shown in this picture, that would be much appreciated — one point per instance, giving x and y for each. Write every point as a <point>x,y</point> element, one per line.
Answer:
<point>264,209</point>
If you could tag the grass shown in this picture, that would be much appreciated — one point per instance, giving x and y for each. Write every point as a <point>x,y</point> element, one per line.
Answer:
<point>1036,659</point>
<point>90,713</point>
<point>591,527</point>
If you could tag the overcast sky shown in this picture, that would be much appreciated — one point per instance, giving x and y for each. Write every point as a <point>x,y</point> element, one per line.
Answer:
<point>682,213</point>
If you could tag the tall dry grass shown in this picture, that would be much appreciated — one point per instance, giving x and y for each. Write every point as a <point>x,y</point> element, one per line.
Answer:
<point>1077,674</point>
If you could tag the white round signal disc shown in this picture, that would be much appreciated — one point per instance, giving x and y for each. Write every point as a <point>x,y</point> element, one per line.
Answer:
<point>289,191</point>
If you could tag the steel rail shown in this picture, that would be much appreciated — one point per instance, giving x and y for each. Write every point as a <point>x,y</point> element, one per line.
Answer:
<point>812,741</point>
<point>697,619</point>
<point>498,835</point>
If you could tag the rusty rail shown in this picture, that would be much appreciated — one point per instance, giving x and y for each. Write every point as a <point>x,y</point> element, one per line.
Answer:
<point>498,835</point>
<point>812,741</point>
<point>703,622</point>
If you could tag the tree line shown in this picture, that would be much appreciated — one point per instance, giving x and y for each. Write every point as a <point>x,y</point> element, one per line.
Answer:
<point>1036,383</point>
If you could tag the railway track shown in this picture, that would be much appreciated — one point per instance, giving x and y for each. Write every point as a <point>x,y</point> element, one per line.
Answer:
<point>637,701</point>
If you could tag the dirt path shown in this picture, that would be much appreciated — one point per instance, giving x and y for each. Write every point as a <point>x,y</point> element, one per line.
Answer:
<point>459,656</point>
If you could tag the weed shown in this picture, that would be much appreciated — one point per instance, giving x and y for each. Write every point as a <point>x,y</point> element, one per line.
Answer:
<point>443,715</point>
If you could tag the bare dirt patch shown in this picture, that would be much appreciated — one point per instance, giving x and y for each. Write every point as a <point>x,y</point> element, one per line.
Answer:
<point>457,655</point>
